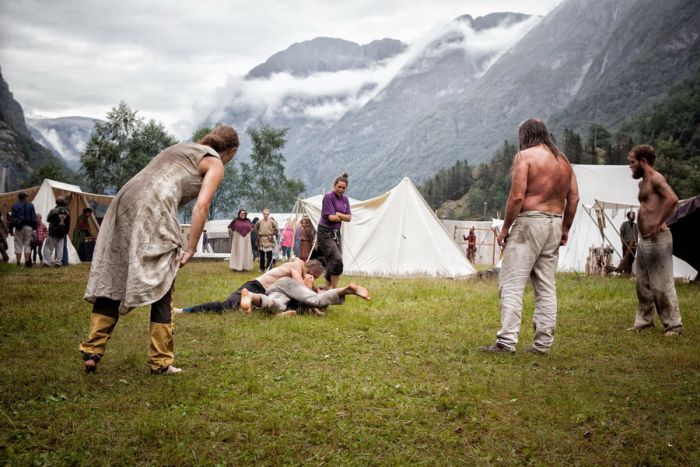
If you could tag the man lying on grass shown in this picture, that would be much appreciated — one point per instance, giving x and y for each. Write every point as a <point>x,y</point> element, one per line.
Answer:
<point>294,270</point>
<point>280,296</point>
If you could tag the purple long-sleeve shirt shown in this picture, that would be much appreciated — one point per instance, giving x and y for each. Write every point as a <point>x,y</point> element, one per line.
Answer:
<point>332,205</point>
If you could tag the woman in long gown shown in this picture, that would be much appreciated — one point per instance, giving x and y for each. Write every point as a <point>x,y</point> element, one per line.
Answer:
<point>241,248</point>
<point>140,247</point>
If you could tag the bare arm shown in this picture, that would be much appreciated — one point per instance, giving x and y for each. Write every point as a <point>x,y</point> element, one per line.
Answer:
<point>570,209</point>
<point>340,217</point>
<point>669,202</point>
<point>518,188</point>
<point>213,171</point>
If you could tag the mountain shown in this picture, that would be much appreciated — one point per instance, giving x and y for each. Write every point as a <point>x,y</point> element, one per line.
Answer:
<point>386,134</point>
<point>66,137</point>
<point>587,61</point>
<point>18,151</point>
<point>299,88</point>
<point>325,54</point>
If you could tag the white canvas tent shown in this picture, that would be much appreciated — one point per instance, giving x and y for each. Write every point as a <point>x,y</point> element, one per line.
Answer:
<point>606,193</point>
<point>44,199</point>
<point>395,235</point>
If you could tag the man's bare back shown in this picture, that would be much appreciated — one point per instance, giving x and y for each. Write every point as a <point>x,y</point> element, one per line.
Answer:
<point>548,180</point>
<point>294,269</point>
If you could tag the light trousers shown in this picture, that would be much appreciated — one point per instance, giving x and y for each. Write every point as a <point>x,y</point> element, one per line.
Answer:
<point>278,296</point>
<point>531,253</point>
<point>655,286</point>
<point>51,245</point>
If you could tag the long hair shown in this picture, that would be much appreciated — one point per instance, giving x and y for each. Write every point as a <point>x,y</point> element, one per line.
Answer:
<point>221,139</point>
<point>532,132</point>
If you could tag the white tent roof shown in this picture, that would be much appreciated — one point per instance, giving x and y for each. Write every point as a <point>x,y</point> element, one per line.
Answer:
<point>612,190</point>
<point>395,235</point>
<point>45,200</point>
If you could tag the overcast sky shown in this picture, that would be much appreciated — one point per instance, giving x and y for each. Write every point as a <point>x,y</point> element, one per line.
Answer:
<point>166,58</point>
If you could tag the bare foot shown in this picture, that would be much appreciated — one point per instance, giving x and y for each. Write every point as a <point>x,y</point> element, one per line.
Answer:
<point>176,310</point>
<point>359,291</point>
<point>287,314</point>
<point>246,301</point>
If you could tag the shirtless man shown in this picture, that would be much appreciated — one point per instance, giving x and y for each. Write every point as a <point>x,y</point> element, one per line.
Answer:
<point>655,286</point>
<point>277,297</point>
<point>543,190</point>
<point>295,270</point>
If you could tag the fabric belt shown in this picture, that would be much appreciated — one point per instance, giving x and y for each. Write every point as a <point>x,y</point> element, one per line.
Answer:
<point>540,214</point>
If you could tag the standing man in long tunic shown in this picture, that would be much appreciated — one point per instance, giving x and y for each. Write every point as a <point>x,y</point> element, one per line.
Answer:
<point>543,189</point>
<point>136,259</point>
<point>655,286</point>
<point>267,231</point>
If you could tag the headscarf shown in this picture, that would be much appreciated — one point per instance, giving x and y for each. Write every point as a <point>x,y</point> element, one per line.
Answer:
<point>242,226</point>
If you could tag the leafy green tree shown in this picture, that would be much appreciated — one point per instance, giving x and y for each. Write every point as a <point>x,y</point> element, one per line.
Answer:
<point>120,147</point>
<point>268,186</point>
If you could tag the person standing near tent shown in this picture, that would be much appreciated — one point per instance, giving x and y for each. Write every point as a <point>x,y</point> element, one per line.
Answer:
<point>266,229</point>
<point>471,244</point>
<point>287,240</point>
<point>629,234</point>
<point>306,238</point>
<point>82,228</point>
<point>655,286</point>
<point>543,189</point>
<point>241,250</point>
<point>40,234</point>
<point>335,209</point>
<point>59,223</point>
<point>22,222</point>
<point>136,259</point>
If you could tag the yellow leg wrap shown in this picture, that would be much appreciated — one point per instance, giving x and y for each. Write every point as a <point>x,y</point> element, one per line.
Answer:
<point>162,346</point>
<point>101,328</point>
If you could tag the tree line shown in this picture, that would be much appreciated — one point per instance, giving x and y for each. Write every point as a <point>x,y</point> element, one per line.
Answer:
<point>672,126</point>
<point>125,143</point>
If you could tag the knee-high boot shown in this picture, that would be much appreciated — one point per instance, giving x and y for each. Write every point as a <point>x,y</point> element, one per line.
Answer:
<point>162,346</point>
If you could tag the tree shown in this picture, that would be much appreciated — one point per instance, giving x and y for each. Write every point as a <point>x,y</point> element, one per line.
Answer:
<point>269,187</point>
<point>120,147</point>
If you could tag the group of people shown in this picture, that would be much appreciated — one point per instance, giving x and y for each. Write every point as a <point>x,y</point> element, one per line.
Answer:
<point>264,240</point>
<point>135,261</point>
<point>32,237</point>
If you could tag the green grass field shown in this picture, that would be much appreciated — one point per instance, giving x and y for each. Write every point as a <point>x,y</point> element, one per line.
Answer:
<point>396,381</point>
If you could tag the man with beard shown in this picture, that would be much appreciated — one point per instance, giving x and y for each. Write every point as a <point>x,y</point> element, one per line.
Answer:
<point>655,286</point>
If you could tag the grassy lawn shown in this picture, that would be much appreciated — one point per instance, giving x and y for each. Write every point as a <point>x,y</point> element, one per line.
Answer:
<point>396,381</point>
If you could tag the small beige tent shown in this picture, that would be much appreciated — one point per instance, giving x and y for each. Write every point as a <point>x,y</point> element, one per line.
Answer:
<point>44,199</point>
<point>395,235</point>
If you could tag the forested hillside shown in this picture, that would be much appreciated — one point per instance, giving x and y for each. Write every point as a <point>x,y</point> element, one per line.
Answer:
<point>672,126</point>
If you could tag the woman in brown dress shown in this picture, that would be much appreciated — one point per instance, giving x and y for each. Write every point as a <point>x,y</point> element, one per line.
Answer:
<point>139,248</point>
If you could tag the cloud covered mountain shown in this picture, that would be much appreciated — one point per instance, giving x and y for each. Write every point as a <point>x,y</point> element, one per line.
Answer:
<point>66,137</point>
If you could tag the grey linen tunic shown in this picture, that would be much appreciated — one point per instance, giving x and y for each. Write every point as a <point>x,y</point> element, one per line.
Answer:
<point>136,254</point>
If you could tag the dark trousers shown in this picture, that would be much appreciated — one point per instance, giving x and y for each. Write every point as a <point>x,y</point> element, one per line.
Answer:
<point>36,249</point>
<point>160,310</point>
<point>231,303</point>
<point>265,259</point>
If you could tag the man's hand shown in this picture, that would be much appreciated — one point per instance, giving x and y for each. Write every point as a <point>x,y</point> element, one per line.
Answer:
<point>185,256</point>
<point>655,231</point>
<point>564,237</point>
<point>502,238</point>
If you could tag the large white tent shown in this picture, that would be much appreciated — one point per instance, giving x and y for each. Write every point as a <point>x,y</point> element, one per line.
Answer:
<point>44,197</point>
<point>606,194</point>
<point>395,235</point>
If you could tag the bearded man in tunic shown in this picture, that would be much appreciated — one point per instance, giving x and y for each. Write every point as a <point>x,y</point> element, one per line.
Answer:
<point>140,247</point>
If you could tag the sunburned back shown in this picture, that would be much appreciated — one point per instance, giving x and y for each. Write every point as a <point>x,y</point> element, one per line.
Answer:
<point>548,181</point>
<point>285,270</point>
